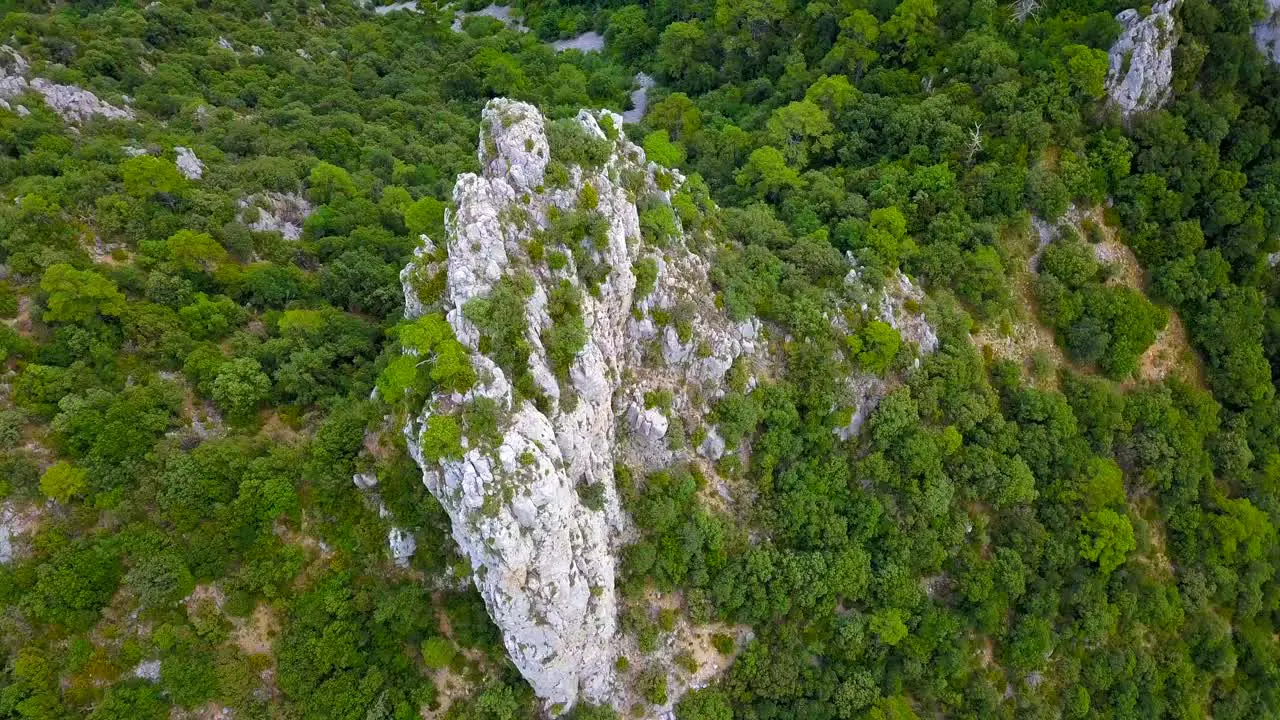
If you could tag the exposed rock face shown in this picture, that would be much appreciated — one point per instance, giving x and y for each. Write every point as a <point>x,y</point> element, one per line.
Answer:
<point>188,164</point>
<point>543,555</point>
<point>72,103</point>
<point>15,524</point>
<point>402,546</point>
<point>1266,34</point>
<point>1141,60</point>
<point>867,390</point>
<point>148,670</point>
<point>276,212</point>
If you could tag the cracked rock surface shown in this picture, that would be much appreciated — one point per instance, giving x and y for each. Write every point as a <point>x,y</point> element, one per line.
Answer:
<point>543,557</point>
<point>1141,60</point>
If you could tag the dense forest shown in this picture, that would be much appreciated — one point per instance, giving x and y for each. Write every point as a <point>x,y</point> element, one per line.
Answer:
<point>1069,509</point>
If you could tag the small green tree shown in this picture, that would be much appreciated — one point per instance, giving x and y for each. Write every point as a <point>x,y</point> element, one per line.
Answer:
<point>238,388</point>
<point>329,182</point>
<point>437,652</point>
<point>63,481</point>
<point>889,626</point>
<point>426,217</point>
<point>1107,539</point>
<point>146,176</point>
<point>78,295</point>
<point>441,439</point>
<point>879,345</point>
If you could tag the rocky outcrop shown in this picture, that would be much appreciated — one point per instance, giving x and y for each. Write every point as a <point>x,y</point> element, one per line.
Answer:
<point>17,524</point>
<point>1141,60</point>
<point>535,509</point>
<point>188,164</point>
<point>402,546</point>
<point>899,307</point>
<point>1266,34</point>
<point>71,103</point>
<point>284,213</point>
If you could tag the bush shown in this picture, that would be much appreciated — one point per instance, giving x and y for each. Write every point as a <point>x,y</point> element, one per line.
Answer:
<point>571,144</point>
<point>438,652</point>
<point>567,335</point>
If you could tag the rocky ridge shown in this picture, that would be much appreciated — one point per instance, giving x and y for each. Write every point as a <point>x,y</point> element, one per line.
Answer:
<point>537,513</point>
<point>1141,60</point>
<point>532,503</point>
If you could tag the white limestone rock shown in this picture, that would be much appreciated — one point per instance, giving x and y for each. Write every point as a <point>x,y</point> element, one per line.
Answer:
<point>713,445</point>
<point>648,423</point>
<point>365,480</point>
<point>639,98</point>
<point>543,558</point>
<point>284,213</point>
<point>6,542</point>
<point>148,670</point>
<point>1141,60</point>
<point>71,103</point>
<point>1266,34</point>
<point>188,164</point>
<point>402,546</point>
<point>16,523</point>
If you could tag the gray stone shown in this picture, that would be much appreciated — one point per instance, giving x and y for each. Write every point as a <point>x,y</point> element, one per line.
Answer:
<point>639,99</point>
<point>365,480</point>
<point>543,561</point>
<point>71,103</point>
<point>148,670</point>
<point>590,41</point>
<point>501,13</point>
<point>712,446</point>
<point>1141,60</point>
<point>402,546</point>
<point>648,423</point>
<point>188,164</point>
<point>276,212</point>
<point>1266,34</point>
<point>409,5</point>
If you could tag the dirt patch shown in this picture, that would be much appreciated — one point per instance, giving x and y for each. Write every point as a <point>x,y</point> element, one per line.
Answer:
<point>256,634</point>
<point>1153,548</point>
<point>1171,354</point>
<point>1019,335</point>
<point>208,711</point>
<point>23,322</point>
<point>278,430</point>
<point>686,655</point>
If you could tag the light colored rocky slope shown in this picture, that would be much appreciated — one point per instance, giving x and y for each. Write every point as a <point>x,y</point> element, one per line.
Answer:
<point>532,502</point>
<point>1141,60</point>
<point>71,103</point>
<point>1266,34</point>
<point>543,556</point>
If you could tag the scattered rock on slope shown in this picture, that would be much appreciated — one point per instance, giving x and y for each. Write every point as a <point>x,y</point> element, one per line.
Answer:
<point>71,103</point>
